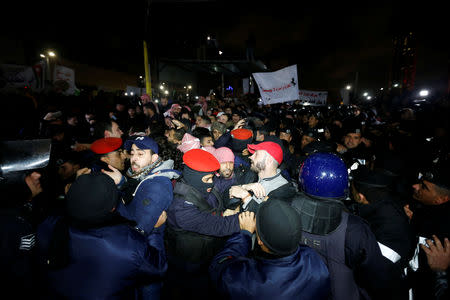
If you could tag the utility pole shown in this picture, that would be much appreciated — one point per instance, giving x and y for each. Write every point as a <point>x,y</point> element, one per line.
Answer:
<point>355,90</point>
<point>148,81</point>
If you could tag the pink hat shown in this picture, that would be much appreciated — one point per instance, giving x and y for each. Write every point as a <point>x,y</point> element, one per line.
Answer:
<point>188,142</point>
<point>145,97</point>
<point>224,154</point>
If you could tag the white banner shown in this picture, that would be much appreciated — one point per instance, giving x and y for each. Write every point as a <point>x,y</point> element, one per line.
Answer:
<point>64,80</point>
<point>278,86</point>
<point>312,97</point>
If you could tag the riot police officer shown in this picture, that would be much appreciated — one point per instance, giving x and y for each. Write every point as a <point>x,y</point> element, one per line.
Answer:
<point>345,241</point>
<point>20,176</point>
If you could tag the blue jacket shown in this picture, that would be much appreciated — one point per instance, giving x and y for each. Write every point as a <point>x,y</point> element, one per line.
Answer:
<point>105,263</point>
<point>152,196</point>
<point>301,275</point>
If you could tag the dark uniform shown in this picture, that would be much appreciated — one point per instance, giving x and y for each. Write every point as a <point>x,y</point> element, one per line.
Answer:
<point>17,226</point>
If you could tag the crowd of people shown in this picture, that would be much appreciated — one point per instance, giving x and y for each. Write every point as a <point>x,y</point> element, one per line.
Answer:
<point>214,198</point>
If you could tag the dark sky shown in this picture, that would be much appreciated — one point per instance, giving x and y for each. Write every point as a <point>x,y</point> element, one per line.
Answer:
<point>329,43</point>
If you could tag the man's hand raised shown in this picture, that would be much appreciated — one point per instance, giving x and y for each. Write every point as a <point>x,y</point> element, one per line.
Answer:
<point>247,221</point>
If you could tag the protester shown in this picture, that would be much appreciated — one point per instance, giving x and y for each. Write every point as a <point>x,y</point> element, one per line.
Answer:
<point>391,135</point>
<point>265,160</point>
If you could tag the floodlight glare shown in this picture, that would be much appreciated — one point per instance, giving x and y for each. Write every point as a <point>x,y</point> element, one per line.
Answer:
<point>423,93</point>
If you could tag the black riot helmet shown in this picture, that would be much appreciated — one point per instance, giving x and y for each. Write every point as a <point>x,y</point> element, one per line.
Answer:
<point>20,157</point>
<point>23,155</point>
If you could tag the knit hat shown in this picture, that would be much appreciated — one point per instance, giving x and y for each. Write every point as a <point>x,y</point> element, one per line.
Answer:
<point>106,145</point>
<point>278,226</point>
<point>189,142</point>
<point>272,148</point>
<point>143,143</point>
<point>224,154</point>
<point>91,198</point>
<point>201,160</point>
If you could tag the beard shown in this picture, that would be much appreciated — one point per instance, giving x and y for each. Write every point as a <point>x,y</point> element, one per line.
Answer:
<point>226,174</point>
<point>135,168</point>
<point>257,166</point>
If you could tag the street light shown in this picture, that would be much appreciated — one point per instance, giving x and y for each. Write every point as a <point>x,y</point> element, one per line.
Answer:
<point>423,93</point>
<point>365,94</point>
<point>48,67</point>
<point>348,87</point>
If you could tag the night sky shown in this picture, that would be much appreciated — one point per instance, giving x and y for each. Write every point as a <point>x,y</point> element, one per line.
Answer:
<point>329,43</point>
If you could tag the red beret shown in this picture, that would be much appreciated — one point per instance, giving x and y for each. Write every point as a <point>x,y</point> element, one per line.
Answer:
<point>201,160</point>
<point>106,145</point>
<point>241,134</point>
<point>272,148</point>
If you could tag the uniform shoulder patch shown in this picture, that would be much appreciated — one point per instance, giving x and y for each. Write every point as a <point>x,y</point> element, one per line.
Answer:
<point>27,242</point>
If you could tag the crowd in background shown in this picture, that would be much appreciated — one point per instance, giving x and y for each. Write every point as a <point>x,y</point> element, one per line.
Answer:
<point>403,142</point>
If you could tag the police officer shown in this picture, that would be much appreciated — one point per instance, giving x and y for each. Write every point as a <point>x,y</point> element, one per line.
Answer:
<point>345,241</point>
<point>429,217</point>
<point>19,185</point>
<point>356,147</point>
<point>196,231</point>
<point>282,269</point>
<point>92,252</point>
<point>383,210</point>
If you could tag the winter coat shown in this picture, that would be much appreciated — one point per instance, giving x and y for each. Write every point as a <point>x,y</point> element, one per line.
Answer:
<point>301,275</point>
<point>108,262</point>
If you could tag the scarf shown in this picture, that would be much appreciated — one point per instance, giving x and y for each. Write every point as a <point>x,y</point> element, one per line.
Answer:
<point>145,171</point>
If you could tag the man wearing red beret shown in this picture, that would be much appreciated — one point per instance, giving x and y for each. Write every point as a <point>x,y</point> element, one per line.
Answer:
<point>109,152</point>
<point>196,231</point>
<point>265,160</point>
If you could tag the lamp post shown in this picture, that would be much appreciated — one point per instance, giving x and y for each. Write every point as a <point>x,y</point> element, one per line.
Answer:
<point>48,65</point>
